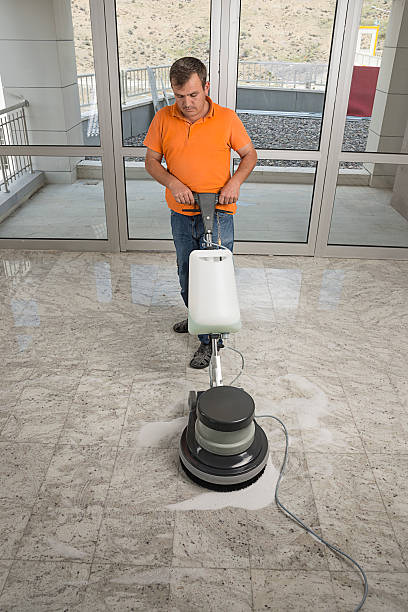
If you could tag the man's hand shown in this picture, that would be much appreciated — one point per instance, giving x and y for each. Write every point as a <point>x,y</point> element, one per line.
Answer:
<point>230,192</point>
<point>181,193</point>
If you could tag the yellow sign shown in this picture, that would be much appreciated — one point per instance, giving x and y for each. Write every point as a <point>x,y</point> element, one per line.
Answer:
<point>367,39</point>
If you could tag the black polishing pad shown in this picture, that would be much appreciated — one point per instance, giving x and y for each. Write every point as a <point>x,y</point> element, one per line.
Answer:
<point>222,488</point>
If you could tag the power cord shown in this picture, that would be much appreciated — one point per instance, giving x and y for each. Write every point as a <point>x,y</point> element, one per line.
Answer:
<point>297,520</point>
<point>242,366</point>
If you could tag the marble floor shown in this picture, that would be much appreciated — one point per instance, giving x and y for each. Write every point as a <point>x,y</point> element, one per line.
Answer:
<point>95,514</point>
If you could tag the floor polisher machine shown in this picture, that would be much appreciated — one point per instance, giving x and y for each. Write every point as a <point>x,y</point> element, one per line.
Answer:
<point>222,447</point>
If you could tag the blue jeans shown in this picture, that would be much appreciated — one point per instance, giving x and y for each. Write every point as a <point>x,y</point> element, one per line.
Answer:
<point>188,235</point>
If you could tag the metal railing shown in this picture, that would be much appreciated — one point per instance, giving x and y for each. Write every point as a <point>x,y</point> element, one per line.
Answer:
<point>87,89</point>
<point>13,131</point>
<point>135,81</point>
<point>283,74</point>
<point>364,59</point>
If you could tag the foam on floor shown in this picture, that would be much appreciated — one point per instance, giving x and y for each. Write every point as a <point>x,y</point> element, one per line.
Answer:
<point>156,434</point>
<point>258,495</point>
<point>310,404</point>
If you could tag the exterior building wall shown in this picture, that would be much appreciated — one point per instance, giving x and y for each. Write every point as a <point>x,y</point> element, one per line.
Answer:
<point>390,111</point>
<point>37,63</point>
<point>400,192</point>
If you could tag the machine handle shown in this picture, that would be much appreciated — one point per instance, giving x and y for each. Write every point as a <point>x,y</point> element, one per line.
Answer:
<point>196,194</point>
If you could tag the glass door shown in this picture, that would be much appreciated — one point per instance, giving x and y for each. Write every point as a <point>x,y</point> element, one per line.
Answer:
<point>365,204</point>
<point>284,88</point>
<point>149,37</point>
<point>277,68</point>
<point>56,151</point>
<point>322,93</point>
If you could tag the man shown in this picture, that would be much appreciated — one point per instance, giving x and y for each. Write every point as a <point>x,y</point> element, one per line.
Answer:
<point>196,136</point>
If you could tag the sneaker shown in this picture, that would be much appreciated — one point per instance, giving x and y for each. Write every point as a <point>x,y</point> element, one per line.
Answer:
<point>201,357</point>
<point>181,327</point>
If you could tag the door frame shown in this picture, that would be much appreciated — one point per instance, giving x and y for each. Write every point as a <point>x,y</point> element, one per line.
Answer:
<point>104,150</point>
<point>224,35</point>
<point>336,155</point>
<point>219,27</point>
<point>224,38</point>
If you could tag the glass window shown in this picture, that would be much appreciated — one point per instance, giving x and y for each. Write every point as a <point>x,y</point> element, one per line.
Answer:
<point>52,197</point>
<point>371,205</point>
<point>275,202</point>
<point>284,53</point>
<point>152,35</point>
<point>377,111</point>
<point>47,74</point>
<point>147,212</point>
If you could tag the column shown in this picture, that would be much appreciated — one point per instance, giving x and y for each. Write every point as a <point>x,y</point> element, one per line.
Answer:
<point>390,110</point>
<point>37,62</point>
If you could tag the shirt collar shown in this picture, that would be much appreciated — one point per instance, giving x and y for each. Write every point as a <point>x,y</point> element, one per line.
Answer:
<point>176,113</point>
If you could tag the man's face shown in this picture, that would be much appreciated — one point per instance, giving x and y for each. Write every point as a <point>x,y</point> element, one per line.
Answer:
<point>190,97</point>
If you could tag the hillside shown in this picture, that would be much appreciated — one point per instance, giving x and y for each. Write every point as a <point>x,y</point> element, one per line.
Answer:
<point>154,32</point>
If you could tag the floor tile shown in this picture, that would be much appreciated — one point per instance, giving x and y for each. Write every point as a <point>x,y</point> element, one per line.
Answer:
<point>5,565</point>
<point>292,590</point>
<point>34,585</point>
<point>144,478</point>
<point>275,541</point>
<point>156,405</point>
<point>386,591</point>
<point>378,413</point>
<point>139,538</point>
<point>351,511</point>
<point>391,481</point>
<point>196,589</point>
<point>210,539</point>
<point>122,587</point>
<point>14,379</point>
<point>23,468</point>
<point>43,404</point>
<point>98,409</point>
<point>65,520</point>
<point>13,520</point>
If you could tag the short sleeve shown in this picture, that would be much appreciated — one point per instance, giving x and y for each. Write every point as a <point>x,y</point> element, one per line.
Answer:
<point>239,135</point>
<point>153,138</point>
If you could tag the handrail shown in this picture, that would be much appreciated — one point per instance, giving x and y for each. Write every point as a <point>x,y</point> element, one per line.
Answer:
<point>9,109</point>
<point>13,130</point>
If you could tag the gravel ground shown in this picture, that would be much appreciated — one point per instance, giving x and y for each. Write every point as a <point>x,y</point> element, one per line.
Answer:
<point>289,132</point>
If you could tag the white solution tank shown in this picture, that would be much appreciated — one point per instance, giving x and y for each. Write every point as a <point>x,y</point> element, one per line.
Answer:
<point>212,294</point>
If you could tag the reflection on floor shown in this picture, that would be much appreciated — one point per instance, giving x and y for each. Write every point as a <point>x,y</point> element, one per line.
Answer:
<point>89,359</point>
<point>266,212</point>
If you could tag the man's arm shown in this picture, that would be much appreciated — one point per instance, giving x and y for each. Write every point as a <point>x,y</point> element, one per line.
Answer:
<point>181,192</point>
<point>230,192</point>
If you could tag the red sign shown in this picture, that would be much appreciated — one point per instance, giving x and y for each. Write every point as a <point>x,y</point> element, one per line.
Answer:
<point>362,91</point>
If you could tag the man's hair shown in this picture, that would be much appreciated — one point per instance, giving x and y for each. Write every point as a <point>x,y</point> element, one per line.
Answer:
<point>184,68</point>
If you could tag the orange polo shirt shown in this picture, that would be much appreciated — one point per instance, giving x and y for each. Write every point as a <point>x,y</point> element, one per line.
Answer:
<point>198,154</point>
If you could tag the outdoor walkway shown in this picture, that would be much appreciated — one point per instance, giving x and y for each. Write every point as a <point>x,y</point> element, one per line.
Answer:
<point>267,212</point>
